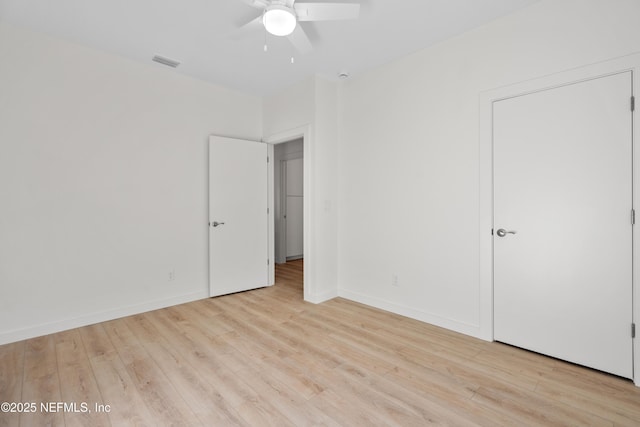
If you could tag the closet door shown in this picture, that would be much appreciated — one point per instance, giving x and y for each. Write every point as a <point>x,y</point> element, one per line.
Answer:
<point>562,222</point>
<point>294,210</point>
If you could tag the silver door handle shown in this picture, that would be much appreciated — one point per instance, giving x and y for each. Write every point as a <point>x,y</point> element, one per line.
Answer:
<point>216,223</point>
<point>502,232</point>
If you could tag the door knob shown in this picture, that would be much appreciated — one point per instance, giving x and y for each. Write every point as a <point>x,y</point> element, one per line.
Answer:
<point>216,223</point>
<point>502,232</point>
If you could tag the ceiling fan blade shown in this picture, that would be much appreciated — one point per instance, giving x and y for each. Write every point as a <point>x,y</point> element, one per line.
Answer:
<point>326,11</point>
<point>249,27</point>
<point>300,40</point>
<point>258,4</point>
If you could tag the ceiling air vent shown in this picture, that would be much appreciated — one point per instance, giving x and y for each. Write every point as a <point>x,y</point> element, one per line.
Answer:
<point>166,61</point>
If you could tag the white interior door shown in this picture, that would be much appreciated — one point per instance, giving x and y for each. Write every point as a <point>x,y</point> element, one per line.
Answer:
<point>563,185</point>
<point>238,219</point>
<point>294,208</point>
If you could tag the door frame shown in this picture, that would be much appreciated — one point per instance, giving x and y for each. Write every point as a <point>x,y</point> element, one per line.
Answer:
<point>485,238</point>
<point>305,133</point>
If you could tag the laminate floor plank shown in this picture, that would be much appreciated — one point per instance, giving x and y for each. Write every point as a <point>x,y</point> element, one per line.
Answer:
<point>225,389</point>
<point>347,351</point>
<point>348,413</point>
<point>41,383</point>
<point>78,386</point>
<point>416,410</point>
<point>535,410</point>
<point>620,415</point>
<point>127,406</point>
<point>435,387</point>
<point>166,405</point>
<point>96,342</point>
<point>292,405</point>
<point>294,378</point>
<point>11,374</point>
<point>465,371</point>
<point>204,399</point>
<point>363,401</point>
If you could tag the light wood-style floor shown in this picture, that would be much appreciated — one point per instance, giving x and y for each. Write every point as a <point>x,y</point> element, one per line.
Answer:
<point>265,357</point>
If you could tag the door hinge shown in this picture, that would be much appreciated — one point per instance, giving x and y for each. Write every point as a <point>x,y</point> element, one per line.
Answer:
<point>633,330</point>
<point>633,103</point>
<point>267,211</point>
<point>267,261</point>
<point>633,217</point>
<point>267,159</point>
<point>492,231</point>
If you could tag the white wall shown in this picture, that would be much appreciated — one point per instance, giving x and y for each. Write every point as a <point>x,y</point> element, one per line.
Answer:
<point>289,109</point>
<point>325,155</point>
<point>409,156</point>
<point>103,183</point>
<point>312,105</point>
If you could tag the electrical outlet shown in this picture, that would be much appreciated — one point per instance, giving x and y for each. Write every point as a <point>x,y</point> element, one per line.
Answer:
<point>172,275</point>
<point>394,280</point>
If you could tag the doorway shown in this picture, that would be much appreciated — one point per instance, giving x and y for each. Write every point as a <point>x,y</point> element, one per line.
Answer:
<point>289,209</point>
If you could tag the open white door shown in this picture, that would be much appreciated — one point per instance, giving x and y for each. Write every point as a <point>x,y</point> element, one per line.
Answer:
<point>238,217</point>
<point>562,218</point>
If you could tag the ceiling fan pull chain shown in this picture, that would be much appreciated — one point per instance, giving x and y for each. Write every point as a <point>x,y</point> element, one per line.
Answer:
<point>265,40</point>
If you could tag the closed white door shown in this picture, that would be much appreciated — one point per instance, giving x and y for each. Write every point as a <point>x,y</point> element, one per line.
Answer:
<point>562,222</point>
<point>238,218</point>
<point>294,208</point>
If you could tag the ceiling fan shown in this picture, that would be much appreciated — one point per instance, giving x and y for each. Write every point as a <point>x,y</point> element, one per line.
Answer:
<point>282,17</point>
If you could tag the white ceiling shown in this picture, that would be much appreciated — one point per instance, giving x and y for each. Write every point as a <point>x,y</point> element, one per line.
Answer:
<point>200,34</point>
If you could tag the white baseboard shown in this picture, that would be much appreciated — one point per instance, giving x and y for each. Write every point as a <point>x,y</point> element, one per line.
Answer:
<point>423,316</point>
<point>322,297</point>
<point>90,319</point>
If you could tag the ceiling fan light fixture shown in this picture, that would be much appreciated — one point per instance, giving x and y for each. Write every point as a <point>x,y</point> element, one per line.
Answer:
<point>279,20</point>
